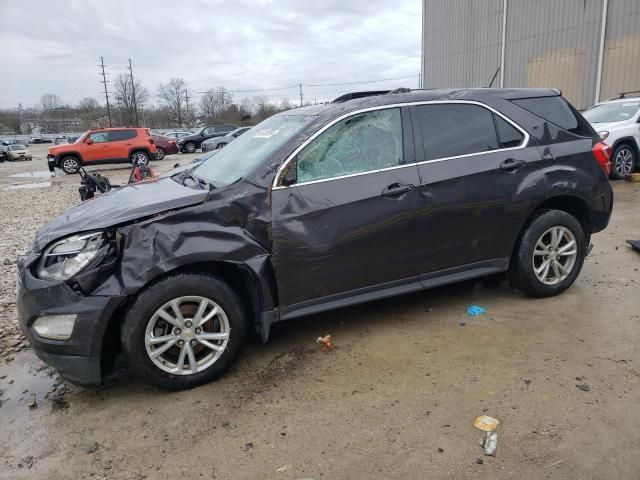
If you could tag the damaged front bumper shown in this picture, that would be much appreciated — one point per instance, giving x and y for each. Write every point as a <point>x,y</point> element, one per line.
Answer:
<point>77,358</point>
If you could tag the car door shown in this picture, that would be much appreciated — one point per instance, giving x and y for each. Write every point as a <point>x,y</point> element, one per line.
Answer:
<point>346,223</point>
<point>471,161</point>
<point>121,143</point>
<point>96,146</point>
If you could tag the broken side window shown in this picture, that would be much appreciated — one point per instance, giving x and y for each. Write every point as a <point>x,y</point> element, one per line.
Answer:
<point>364,142</point>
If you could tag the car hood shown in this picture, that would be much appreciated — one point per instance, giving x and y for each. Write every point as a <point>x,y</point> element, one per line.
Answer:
<point>118,206</point>
<point>599,127</point>
<point>58,149</point>
<point>190,137</point>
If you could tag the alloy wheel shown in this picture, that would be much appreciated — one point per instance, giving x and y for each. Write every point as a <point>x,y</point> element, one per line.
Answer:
<point>554,255</point>
<point>623,163</point>
<point>190,147</point>
<point>187,335</point>
<point>139,158</point>
<point>70,165</point>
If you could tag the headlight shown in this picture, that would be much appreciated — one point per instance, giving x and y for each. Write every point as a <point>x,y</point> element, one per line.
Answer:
<point>603,135</point>
<point>63,259</point>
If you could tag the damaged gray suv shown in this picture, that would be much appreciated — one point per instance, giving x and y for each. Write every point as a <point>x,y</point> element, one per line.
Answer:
<point>313,209</point>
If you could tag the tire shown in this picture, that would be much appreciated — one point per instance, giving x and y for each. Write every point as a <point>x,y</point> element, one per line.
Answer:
<point>70,165</point>
<point>623,161</point>
<point>190,147</point>
<point>537,234</point>
<point>142,323</point>
<point>142,157</point>
<point>160,153</point>
<point>220,145</point>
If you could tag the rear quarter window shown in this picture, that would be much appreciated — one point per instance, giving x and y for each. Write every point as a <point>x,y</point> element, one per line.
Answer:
<point>120,135</point>
<point>558,111</point>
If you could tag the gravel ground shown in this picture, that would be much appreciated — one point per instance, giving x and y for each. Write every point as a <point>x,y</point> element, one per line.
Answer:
<point>27,204</point>
<point>396,398</point>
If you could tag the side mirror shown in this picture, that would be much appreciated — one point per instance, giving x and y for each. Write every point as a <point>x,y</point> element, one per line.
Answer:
<point>89,141</point>
<point>289,174</point>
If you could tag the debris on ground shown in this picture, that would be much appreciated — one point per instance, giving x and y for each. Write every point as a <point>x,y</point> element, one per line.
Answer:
<point>583,386</point>
<point>475,310</point>
<point>635,244</point>
<point>479,461</point>
<point>489,439</point>
<point>325,342</point>
<point>32,403</point>
<point>26,462</point>
<point>92,448</point>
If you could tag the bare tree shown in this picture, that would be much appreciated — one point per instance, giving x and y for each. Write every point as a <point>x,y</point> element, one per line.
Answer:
<point>50,101</point>
<point>208,105</point>
<point>285,104</point>
<point>125,96</point>
<point>88,105</point>
<point>173,96</point>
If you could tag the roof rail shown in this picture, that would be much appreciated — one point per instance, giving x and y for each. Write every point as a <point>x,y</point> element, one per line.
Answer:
<point>624,94</point>
<point>353,95</point>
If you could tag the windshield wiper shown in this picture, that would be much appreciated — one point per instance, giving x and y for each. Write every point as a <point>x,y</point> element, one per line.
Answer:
<point>182,178</point>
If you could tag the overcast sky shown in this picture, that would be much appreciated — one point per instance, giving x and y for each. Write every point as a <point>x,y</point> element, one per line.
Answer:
<point>54,46</point>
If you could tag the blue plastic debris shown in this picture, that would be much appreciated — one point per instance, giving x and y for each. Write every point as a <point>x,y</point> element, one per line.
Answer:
<point>473,310</point>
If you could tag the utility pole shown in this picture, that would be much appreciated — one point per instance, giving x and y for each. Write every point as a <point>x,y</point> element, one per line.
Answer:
<point>300,94</point>
<point>133,93</point>
<point>186,96</point>
<point>106,94</point>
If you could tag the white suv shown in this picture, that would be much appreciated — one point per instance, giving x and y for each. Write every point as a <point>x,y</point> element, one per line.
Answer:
<point>618,124</point>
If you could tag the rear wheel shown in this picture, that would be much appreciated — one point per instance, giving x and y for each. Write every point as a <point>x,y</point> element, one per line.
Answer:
<point>550,254</point>
<point>624,161</point>
<point>70,165</point>
<point>160,153</point>
<point>220,145</point>
<point>141,157</point>
<point>184,331</point>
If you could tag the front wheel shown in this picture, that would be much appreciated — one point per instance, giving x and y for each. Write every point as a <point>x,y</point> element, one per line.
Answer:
<point>220,145</point>
<point>550,254</point>
<point>624,162</point>
<point>184,331</point>
<point>190,147</point>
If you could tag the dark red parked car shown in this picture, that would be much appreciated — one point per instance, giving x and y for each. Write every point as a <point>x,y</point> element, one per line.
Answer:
<point>165,146</point>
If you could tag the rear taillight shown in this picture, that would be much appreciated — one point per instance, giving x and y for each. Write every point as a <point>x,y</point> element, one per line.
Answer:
<point>602,152</point>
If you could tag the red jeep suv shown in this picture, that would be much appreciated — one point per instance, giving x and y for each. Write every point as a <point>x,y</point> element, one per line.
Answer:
<point>107,145</point>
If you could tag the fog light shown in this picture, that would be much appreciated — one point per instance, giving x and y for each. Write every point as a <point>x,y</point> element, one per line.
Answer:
<point>55,327</point>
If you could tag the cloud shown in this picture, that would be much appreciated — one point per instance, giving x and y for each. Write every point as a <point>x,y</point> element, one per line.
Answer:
<point>54,47</point>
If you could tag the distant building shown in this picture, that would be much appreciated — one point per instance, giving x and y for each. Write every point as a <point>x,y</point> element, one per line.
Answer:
<point>590,49</point>
<point>42,124</point>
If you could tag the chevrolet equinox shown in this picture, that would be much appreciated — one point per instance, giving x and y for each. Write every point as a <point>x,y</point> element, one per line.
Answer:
<point>373,195</point>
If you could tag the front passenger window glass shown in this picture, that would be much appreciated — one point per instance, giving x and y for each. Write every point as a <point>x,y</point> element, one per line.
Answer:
<point>362,143</point>
<point>99,137</point>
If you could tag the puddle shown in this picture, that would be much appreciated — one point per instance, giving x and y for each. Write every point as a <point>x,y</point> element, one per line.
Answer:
<point>29,186</point>
<point>30,377</point>
<point>36,174</point>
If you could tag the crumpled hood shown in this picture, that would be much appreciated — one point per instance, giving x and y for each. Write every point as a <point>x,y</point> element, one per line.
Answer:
<point>118,206</point>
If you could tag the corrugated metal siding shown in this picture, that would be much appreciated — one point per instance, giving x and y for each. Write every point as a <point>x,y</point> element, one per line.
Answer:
<point>462,42</point>
<point>549,43</point>
<point>621,68</point>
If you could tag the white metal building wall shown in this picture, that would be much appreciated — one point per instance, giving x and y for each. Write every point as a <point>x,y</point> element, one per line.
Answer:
<point>548,43</point>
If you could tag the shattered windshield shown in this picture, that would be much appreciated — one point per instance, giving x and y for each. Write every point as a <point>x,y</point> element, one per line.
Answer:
<point>611,112</point>
<point>241,156</point>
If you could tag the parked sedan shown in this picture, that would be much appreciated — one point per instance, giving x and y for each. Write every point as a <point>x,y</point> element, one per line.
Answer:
<point>164,146</point>
<point>176,135</point>
<point>220,142</point>
<point>19,152</point>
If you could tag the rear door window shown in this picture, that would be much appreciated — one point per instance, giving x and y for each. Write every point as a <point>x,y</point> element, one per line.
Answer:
<point>364,142</point>
<point>451,130</point>
<point>557,110</point>
<point>121,135</point>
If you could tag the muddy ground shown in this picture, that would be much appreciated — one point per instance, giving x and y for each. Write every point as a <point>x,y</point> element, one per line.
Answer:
<point>395,399</point>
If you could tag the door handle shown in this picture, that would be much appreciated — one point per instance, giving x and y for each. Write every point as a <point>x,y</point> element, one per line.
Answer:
<point>511,164</point>
<point>396,189</point>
